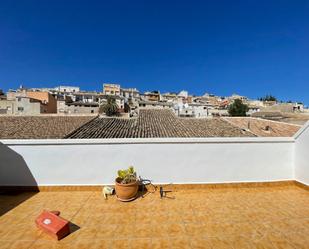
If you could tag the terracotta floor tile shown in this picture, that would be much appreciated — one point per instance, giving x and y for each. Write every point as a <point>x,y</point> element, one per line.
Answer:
<point>124,231</point>
<point>103,244</point>
<point>43,244</point>
<point>282,245</point>
<point>105,232</point>
<point>174,229</point>
<point>121,244</point>
<point>87,233</point>
<point>261,217</point>
<point>200,243</point>
<point>160,219</point>
<point>189,218</point>
<point>196,230</point>
<point>220,243</point>
<point>5,244</point>
<point>141,243</point>
<point>180,243</point>
<point>85,244</point>
<point>159,231</point>
<point>31,234</point>
<point>175,217</point>
<point>13,234</point>
<point>162,243</point>
<point>143,231</point>
<point>22,244</point>
<point>298,240</point>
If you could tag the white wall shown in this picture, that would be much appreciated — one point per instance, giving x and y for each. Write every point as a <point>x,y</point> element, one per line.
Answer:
<point>187,160</point>
<point>302,155</point>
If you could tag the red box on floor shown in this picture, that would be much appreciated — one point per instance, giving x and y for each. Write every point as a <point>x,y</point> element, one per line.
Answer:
<point>52,224</point>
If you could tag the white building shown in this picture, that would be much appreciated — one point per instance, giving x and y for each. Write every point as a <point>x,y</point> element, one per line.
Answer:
<point>183,94</point>
<point>67,89</point>
<point>193,110</point>
<point>129,93</point>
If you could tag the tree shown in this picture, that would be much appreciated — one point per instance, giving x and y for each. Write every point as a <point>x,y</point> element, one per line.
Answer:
<point>127,107</point>
<point>268,97</point>
<point>238,109</point>
<point>110,108</point>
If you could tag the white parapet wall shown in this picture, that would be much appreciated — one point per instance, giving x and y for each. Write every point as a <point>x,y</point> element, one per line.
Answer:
<point>302,155</point>
<point>162,160</point>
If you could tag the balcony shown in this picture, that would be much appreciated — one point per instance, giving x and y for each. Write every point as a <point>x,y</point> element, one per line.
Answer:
<point>249,192</point>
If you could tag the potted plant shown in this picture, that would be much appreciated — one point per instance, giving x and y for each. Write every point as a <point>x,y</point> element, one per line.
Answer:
<point>126,184</point>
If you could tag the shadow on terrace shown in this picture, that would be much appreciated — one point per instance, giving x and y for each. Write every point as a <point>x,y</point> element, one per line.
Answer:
<point>10,163</point>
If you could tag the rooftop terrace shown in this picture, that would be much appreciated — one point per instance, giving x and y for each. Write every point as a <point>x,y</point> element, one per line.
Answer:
<point>263,216</point>
<point>227,192</point>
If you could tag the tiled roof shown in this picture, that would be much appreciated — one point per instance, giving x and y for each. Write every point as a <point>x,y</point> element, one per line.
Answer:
<point>39,127</point>
<point>265,128</point>
<point>157,123</point>
<point>265,114</point>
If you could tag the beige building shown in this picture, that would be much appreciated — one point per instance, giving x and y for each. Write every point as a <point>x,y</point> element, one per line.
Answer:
<point>152,96</point>
<point>20,105</point>
<point>31,102</point>
<point>77,107</point>
<point>285,108</point>
<point>48,101</point>
<point>28,106</point>
<point>155,105</point>
<point>7,106</point>
<point>111,89</point>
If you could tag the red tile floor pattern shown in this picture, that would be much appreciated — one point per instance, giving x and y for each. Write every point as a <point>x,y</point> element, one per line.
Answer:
<point>255,217</point>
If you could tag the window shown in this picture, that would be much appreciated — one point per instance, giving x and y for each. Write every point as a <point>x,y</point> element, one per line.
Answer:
<point>92,111</point>
<point>18,99</point>
<point>21,109</point>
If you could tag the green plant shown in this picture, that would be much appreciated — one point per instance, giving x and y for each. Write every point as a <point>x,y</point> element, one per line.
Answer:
<point>238,109</point>
<point>127,175</point>
<point>110,108</point>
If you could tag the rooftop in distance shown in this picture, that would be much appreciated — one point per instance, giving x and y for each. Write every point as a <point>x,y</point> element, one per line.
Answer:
<point>149,123</point>
<point>157,123</point>
<point>39,127</point>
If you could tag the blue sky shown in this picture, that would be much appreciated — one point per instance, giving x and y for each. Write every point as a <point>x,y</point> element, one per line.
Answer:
<point>248,47</point>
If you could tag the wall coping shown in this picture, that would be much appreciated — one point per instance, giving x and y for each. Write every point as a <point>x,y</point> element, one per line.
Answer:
<point>301,130</point>
<point>210,140</point>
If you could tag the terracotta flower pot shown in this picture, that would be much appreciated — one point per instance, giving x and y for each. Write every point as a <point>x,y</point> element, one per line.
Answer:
<point>126,192</point>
